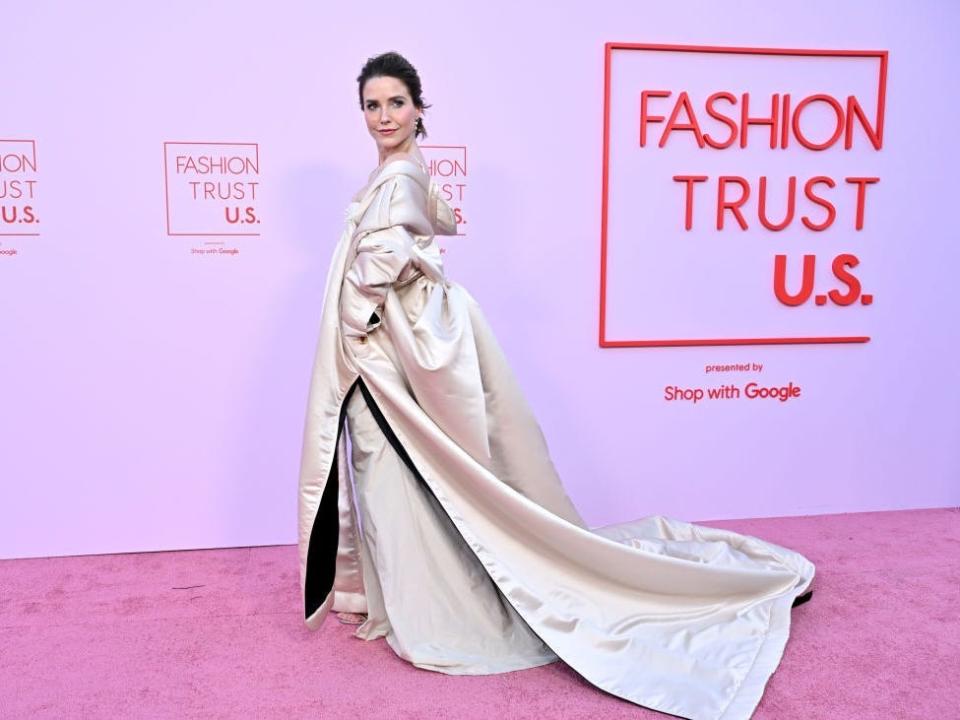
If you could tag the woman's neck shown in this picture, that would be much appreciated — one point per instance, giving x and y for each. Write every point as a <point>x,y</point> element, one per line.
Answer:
<point>408,148</point>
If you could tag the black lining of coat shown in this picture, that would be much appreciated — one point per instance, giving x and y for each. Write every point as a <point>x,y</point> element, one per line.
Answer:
<point>325,533</point>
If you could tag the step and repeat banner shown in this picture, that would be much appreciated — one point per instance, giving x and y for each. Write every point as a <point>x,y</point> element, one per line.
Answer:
<point>716,247</point>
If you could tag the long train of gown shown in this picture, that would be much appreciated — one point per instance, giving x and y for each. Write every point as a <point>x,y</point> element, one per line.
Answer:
<point>678,617</point>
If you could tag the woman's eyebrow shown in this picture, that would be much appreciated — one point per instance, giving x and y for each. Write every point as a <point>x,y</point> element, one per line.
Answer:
<point>395,97</point>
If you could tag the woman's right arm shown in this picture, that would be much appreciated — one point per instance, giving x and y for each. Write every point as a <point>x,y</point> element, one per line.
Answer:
<point>382,254</point>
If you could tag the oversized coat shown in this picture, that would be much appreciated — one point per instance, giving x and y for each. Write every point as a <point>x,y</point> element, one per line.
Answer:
<point>682,618</point>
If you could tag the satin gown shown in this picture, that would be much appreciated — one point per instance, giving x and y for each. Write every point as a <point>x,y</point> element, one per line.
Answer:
<point>426,591</point>
<point>445,521</point>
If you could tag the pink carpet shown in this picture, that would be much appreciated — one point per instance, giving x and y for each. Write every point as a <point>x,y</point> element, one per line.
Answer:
<point>218,634</point>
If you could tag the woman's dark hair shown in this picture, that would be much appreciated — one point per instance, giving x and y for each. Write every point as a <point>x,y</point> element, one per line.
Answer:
<point>395,65</point>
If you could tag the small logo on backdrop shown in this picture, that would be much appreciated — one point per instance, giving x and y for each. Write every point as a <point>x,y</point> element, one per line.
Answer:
<point>212,190</point>
<point>722,389</point>
<point>19,182</point>
<point>447,165</point>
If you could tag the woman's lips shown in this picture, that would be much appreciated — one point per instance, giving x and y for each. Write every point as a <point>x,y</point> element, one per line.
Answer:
<point>388,132</point>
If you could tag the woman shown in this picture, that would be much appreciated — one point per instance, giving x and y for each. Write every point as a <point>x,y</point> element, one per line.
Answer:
<point>455,537</point>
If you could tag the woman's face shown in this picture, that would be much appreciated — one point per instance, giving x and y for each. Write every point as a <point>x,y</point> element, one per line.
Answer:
<point>390,113</point>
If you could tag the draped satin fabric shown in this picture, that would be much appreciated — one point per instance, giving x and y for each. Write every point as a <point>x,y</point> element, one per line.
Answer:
<point>677,617</point>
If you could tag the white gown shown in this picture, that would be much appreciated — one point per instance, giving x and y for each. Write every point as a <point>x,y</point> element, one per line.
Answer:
<point>455,534</point>
<point>426,592</point>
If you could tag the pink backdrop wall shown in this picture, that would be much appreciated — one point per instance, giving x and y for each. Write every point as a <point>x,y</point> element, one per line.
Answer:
<point>154,384</point>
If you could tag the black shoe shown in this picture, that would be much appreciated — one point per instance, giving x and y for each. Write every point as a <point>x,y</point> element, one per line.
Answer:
<point>801,599</point>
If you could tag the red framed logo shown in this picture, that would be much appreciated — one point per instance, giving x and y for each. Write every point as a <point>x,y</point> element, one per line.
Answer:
<point>19,179</point>
<point>211,188</point>
<point>746,339</point>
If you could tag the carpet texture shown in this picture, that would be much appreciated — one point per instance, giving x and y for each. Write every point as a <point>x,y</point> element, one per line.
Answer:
<point>219,634</point>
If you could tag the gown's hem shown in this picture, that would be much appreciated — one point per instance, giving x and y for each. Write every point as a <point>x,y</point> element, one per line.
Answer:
<point>748,695</point>
<point>315,620</point>
<point>475,669</point>
<point>489,671</point>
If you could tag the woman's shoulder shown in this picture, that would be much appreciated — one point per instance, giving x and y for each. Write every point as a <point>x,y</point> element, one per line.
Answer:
<point>403,179</point>
<point>408,156</point>
<point>403,164</point>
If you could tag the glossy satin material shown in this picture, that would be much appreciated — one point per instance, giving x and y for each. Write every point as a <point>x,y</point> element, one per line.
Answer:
<point>427,592</point>
<point>673,616</point>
